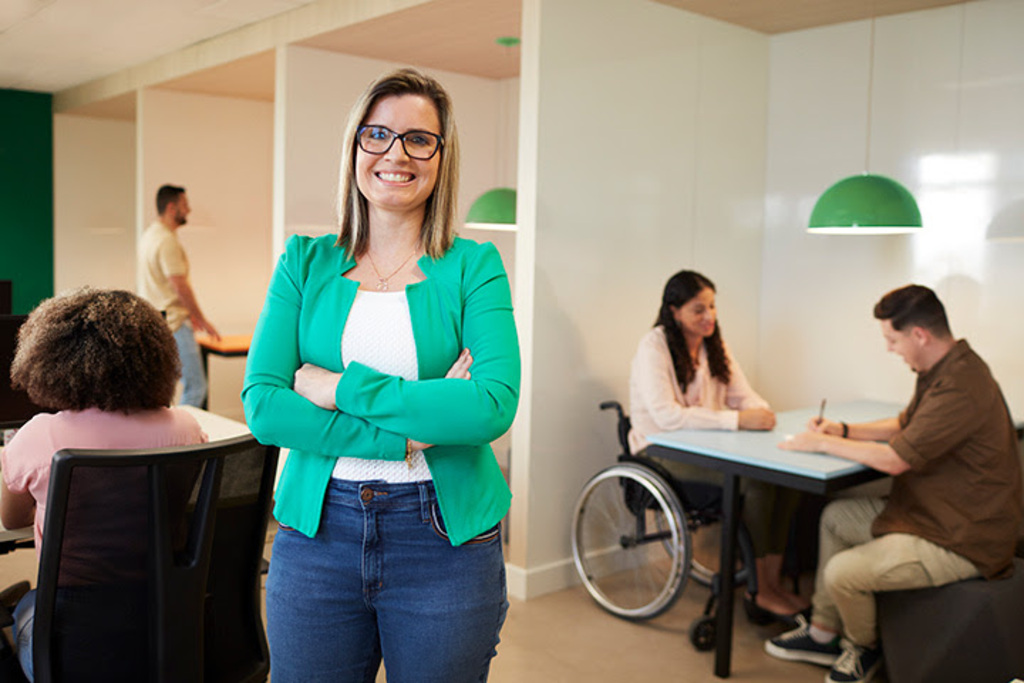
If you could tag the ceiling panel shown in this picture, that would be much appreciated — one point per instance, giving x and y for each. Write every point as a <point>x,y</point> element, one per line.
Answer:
<point>449,35</point>
<point>780,16</point>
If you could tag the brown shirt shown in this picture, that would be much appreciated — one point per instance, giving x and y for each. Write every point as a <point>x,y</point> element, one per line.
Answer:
<point>963,488</point>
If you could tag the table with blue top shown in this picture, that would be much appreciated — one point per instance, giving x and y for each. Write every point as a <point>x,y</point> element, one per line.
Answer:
<point>756,455</point>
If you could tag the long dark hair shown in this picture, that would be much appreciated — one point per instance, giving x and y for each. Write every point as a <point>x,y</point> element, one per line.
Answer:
<point>679,289</point>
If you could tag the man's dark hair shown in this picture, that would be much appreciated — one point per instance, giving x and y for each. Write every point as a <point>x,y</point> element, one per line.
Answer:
<point>914,306</point>
<point>165,195</point>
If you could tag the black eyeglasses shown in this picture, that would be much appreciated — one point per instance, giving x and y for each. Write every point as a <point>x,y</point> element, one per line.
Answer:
<point>418,144</point>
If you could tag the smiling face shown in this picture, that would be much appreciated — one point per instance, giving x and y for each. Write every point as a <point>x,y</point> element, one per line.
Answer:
<point>905,344</point>
<point>698,316</point>
<point>394,182</point>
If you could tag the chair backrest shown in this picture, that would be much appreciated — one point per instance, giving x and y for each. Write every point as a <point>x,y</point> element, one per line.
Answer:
<point>150,565</point>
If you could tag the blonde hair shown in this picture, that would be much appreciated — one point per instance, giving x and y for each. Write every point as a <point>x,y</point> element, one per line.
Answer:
<point>438,231</point>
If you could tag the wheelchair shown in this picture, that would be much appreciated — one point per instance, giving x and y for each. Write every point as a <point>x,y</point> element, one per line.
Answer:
<point>632,539</point>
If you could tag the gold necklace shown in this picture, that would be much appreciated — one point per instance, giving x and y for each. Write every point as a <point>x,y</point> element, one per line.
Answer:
<point>382,282</point>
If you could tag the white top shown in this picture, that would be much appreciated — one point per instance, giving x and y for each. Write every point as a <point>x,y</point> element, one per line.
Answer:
<point>658,404</point>
<point>378,334</point>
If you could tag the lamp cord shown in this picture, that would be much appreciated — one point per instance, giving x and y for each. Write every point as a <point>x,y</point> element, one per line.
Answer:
<point>960,77</point>
<point>871,87</point>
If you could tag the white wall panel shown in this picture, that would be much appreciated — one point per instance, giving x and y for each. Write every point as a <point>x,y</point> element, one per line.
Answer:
<point>94,203</point>
<point>220,150</point>
<point>649,142</point>
<point>948,96</point>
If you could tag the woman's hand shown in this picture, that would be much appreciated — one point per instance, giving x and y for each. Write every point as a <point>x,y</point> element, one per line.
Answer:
<point>317,385</point>
<point>458,370</point>
<point>757,419</point>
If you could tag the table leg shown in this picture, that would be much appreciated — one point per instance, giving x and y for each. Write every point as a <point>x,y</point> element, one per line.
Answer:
<point>723,635</point>
<point>205,355</point>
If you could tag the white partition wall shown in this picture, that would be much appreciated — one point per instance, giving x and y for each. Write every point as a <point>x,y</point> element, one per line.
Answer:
<point>94,202</point>
<point>945,120</point>
<point>220,150</point>
<point>642,147</point>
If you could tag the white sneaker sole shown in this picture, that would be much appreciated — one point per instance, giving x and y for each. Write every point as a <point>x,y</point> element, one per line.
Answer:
<point>819,658</point>
<point>868,676</point>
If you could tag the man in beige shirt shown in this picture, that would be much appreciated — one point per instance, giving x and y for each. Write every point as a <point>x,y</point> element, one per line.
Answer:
<point>164,269</point>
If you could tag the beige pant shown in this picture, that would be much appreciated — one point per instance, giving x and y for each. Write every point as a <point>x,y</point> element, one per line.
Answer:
<point>853,566</point>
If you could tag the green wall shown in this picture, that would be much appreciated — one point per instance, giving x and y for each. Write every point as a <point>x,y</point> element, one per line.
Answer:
<point>26,195</point>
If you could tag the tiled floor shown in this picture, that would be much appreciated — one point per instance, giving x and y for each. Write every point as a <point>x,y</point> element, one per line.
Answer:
<point>564,636</point>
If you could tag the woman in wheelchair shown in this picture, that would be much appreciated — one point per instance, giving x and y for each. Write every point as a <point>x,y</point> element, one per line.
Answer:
<point>683,377</point>
<point>107,361</point>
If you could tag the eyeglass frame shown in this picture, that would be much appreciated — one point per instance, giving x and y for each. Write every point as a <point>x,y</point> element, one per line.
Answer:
<point>399,136</point>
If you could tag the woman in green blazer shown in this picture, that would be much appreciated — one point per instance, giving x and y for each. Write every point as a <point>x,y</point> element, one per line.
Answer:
<point>387,360</point>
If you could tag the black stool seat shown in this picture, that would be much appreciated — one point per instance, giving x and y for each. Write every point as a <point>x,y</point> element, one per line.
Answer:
<point>966,631</point>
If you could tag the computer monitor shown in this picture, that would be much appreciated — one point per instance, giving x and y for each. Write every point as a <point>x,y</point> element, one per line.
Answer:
<point>15,406</point>
<point>6,296</point>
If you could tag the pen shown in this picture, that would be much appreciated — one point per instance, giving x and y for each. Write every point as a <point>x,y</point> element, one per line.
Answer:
<point>821,411</point>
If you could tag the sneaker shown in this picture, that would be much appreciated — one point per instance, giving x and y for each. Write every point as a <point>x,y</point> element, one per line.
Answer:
<point>856,665</point>
<point>798,646</point>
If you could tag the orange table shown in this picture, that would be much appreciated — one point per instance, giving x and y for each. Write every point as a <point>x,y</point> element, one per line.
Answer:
<point>228,346</point>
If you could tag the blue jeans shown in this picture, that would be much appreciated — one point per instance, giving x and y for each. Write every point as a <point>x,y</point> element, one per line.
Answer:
<point>380,580</point>
<point>193,378</point>
<point>24,616</point>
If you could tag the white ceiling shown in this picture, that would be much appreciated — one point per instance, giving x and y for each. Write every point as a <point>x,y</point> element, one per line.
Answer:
<point>50,45</point>
<point>53,45</point>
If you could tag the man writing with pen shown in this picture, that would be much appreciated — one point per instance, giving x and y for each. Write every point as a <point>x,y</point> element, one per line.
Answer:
<point>955,506</point>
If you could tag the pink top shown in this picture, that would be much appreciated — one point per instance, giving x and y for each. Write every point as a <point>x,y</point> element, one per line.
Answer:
<point>657,404</point>
<point>25,461</point>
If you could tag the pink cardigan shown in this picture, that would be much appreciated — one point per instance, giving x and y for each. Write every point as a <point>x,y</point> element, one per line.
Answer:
<point>657,404</point>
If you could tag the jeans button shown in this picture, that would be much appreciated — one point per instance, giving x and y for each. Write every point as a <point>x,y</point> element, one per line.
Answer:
<point>366,495</point>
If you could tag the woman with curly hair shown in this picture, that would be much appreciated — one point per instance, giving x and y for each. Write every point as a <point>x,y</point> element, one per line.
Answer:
<point>107,362</point>
<point>683,377</point>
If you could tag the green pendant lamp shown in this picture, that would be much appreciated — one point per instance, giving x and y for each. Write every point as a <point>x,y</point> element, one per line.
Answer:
<point>493,210</point>
<point>866,204</point>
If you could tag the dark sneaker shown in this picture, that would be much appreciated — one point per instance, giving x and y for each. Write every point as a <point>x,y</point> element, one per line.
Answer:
<point>798,646</point>
<point>856,665</point>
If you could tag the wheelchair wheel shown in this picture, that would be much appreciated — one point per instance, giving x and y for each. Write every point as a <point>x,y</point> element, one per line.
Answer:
<point>630,542</point>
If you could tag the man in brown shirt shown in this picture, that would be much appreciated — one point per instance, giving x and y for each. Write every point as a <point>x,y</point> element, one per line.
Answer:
<point>955,504</point>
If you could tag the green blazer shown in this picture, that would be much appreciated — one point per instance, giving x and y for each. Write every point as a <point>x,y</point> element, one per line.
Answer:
<point>464,302</point>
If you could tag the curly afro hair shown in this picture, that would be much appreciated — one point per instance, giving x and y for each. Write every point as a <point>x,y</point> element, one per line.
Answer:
<point>92,348</point>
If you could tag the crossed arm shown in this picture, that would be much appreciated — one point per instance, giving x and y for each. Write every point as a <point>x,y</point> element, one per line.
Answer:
<point>320,386</point>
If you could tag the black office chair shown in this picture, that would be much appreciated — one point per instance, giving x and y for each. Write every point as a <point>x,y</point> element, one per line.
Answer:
<point>150,566</point>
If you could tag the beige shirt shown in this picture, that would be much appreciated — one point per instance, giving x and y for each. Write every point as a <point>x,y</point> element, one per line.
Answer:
<point>658,404</point>
<point>160,257</point>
